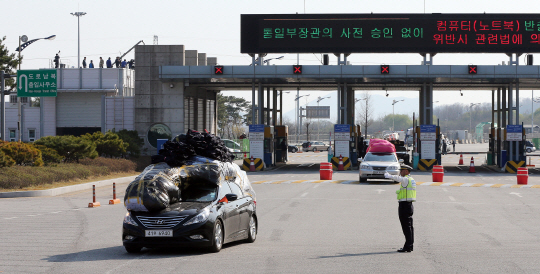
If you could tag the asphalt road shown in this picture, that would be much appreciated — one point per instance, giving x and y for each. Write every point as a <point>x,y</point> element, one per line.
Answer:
<point>303,228</point>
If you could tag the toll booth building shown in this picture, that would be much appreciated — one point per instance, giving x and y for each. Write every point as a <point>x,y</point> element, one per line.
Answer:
<point>88,100</point>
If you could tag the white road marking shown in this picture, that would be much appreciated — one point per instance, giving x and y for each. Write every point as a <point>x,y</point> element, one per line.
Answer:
<point>56,212</point>
<point>10,218</point>
<point>515,193</point>
<point>379,190</point>
<point>444,189</point>
<point>317,185</point>
<point>452,198</point>
<point>304,194</point>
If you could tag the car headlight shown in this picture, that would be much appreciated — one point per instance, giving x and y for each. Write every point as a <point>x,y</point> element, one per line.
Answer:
<point>392,168</point>
<point>365,167</point>
<point>129,220</point>
<point>199,218</point>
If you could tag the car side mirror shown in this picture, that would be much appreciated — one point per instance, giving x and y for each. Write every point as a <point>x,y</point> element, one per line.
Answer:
<point>231,197</point>
<point>360,159</point>
<point>401,161</point>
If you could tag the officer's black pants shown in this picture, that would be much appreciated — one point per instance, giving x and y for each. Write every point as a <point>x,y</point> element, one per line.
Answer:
<point>405,212</point>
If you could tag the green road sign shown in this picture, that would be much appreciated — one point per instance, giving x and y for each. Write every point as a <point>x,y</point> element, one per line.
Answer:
<point>36,83</point>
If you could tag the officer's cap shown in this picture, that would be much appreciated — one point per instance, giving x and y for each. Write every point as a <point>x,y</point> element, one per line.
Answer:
<point>405,167</point>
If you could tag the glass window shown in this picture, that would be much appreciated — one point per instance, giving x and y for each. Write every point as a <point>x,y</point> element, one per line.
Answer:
<point>32,133</point>
<point>158,131</point>
<point>12,133</point>
<point>198,193</point>
<point>224,189</point>
<point>236,190</point>
<point>381,157</point>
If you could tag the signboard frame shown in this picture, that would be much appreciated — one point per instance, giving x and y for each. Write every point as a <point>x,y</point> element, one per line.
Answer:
<point>514,133</point>
<point>37,83</point>
<point>318,112</point>
<point>428,132</point>
<point>389,33</point>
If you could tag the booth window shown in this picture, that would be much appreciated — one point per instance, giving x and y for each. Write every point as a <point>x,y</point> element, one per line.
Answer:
<point>158,131</point>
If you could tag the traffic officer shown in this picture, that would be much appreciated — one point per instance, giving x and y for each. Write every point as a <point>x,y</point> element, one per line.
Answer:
<point>406,195</point>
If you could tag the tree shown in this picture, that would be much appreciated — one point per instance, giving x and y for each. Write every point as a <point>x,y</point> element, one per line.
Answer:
<point>230,119</point>
<point>135,143</point>
<point>8,63</point>
<point>366,112</point>
<point>108,144</point>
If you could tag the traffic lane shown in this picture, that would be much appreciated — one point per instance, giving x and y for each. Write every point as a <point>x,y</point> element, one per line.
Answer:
<point>323,228</point>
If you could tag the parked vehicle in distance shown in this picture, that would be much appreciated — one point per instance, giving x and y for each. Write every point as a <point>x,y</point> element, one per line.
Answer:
<point>292,149</point>
<point>529,147</point>
<point>315,146</point>
<point>374,165</point>
<point>232,145</point>
<point>206,216</point>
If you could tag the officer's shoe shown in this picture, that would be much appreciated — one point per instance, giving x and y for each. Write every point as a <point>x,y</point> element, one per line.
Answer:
<point>404,249</point>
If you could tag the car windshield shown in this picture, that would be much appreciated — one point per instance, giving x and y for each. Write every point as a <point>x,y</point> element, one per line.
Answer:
<point>198,193</point>
<point>381,157</point>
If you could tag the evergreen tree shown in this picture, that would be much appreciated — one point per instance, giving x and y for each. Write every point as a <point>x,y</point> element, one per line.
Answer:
<point>8,63</point>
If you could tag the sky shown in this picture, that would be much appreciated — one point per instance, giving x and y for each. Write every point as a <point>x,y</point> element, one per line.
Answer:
<point>110,28</point>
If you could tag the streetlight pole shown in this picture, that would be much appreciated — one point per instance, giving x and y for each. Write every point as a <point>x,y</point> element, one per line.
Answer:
<point>319,99</point>
<point>365,125</point>
<point>470,117</point>
<point>267,61</point>
<point>298,113</point>
<point>24,39</point>
<point>78,14</point>
<point>393,103</point>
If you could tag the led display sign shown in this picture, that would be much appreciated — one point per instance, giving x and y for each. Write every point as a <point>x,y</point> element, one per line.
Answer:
<point>473,69</point>
<point>390,33</point>
<point>385,69</point>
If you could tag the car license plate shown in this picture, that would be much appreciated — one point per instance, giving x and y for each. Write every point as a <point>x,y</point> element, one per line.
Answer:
<point>378,172</point>
<point>158,233</point>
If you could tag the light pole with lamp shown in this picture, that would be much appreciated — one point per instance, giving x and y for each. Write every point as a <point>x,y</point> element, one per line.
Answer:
<point>78,14</point>
<point>267,61</point>
<point>470,116</point>
<point>393,103</point>
<point>319,99</point>
<point>24,39</point>
<point>297,110</point>
<point>365,125</point>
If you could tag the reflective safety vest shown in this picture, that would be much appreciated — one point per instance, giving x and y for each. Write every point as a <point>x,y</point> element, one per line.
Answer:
<point>407,194</point>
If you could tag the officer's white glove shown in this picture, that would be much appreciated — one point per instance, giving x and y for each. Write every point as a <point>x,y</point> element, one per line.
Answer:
<point>387,175</point>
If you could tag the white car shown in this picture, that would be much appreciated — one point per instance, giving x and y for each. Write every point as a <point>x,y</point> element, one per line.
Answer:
<point>374,165</point>
<point>529,147</point>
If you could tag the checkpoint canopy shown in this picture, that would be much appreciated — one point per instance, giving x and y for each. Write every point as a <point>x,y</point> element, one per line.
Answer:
<point>342,136</point>
<point>37,83</point>
<point>428,136</point>
<point>256,141</point>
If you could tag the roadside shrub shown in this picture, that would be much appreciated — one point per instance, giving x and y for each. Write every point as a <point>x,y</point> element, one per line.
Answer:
<point>22,153</point>
<point>70,147</point>
<point>17,177</point>
<point>114,165</point>
<point>108,144</point>
<point>5,161</point>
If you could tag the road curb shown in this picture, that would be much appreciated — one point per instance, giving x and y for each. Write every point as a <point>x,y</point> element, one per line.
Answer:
<point>65,189</point>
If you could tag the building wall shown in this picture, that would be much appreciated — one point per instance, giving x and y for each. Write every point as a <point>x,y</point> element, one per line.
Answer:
<point>158,102</point>
<point>119,113</point>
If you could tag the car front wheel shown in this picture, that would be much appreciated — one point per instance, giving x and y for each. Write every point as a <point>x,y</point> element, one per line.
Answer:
<point>217,241</point>
<point>314,149</point>
<point>529,150</point>
<point>252,230</point>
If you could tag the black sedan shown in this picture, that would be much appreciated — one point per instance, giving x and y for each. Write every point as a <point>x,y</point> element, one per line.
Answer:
<point>292,149</point>
<point>207,216</point>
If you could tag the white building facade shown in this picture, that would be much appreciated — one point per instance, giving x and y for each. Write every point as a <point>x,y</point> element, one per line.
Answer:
<point>88,100</point>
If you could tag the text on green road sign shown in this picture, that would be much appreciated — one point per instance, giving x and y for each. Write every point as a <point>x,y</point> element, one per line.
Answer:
<point>36,83</point>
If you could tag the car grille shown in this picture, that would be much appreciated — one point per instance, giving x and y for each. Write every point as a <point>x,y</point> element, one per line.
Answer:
<point>379,168</point>
<point>160,222</point>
